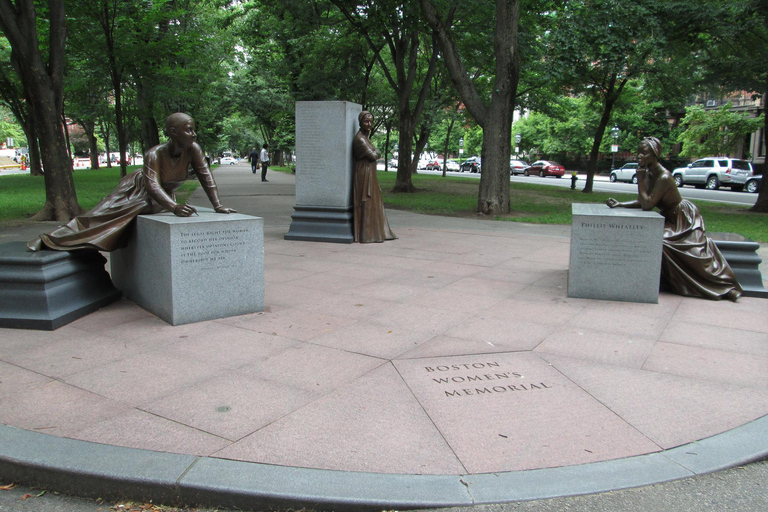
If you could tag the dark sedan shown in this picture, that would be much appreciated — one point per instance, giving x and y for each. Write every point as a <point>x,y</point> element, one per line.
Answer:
<point>545,168</point>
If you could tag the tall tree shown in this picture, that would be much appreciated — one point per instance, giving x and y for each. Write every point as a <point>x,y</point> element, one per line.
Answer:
<point>495,114</point>
<point>597,47</point>
<point>395,27</point>
<point>41,68</point>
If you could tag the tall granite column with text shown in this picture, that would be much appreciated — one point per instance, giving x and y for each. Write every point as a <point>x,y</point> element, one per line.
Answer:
<point>324,167</point>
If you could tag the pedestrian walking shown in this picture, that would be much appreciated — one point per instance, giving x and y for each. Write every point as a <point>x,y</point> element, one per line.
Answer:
<point>264,157</point>
<point>254,159</point>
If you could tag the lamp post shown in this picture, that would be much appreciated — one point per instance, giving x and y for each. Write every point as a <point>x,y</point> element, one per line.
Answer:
<point>518,138</point>
<point>615,132</point>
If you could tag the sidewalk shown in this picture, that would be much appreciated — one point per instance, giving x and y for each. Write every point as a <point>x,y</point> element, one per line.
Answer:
<point>447,367</point>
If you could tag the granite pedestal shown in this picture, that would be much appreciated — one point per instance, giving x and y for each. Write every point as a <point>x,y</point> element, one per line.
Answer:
<point>741,255</point>
<point>47,289</point>
<point>190,269</point>
<point>615,253</point>
<point>324,168</point>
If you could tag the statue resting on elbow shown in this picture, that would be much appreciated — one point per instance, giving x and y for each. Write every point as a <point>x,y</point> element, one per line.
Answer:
<point>691,263</point>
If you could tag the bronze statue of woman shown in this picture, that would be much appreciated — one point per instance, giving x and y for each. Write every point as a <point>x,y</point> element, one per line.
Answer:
<point>691,263</point>
<point>369,220</point>
<point>148,190</point>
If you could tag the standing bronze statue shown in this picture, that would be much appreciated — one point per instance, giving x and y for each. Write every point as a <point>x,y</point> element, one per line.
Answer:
<point>691,263</point>
<point>369,220</point>
<point>148,190</point>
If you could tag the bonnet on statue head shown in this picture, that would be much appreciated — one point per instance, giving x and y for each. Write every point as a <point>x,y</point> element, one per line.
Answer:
<point>175,121</point>
<point>654,144</point>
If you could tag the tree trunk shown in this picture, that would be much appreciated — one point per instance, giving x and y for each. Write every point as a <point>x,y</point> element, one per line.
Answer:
<point>43,86</point>
<point>496,118</point>
<point>762,197</point>
<point>611,95</point>
<point>150,135</point>
<point>403,181</point>
<point>493,196</point>
<point>445,148</point>
<point>89,127</point>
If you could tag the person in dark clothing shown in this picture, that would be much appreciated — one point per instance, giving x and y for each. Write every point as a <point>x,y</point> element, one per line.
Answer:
<point>254,159</point>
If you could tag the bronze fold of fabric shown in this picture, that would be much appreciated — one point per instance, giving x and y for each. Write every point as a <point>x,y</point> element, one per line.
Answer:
<point>691,264</point>
<point>370,220</point>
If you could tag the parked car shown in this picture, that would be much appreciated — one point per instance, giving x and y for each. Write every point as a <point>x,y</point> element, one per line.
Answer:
<point>713,172</point>
<point>753,184</point>
<point>627,172</point>
<point>452,165</point>
<point>393,163</point>
<point>227,160</point>
<point>517,167</point>
<point>435,165</point>
<point>471,164</point>
<point>545,168</point>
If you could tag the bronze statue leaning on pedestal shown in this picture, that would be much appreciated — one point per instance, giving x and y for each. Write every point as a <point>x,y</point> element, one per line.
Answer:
<point>369,220</point>
<point>148,190</point>
<point>691,263</point>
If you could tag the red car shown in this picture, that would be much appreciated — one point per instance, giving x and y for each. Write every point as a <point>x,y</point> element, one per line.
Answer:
<point>545,168</point>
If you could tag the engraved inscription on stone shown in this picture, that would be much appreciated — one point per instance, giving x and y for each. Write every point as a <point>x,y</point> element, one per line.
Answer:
<point>479,378</point>
<point>211,249</point>
<point>311,135</point>
<point>623,246</point>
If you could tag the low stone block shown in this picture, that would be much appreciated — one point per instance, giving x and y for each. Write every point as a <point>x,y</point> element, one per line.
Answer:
<point>615,253</point>
<point>191,269</point>
<point>741,254</point>
<point>47,289</point>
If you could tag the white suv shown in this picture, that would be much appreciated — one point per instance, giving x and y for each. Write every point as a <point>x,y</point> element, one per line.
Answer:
<point>713,172</point>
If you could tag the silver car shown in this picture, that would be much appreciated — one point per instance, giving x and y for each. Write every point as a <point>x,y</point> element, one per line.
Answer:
<point>627,172</point>
<point>713,172</point>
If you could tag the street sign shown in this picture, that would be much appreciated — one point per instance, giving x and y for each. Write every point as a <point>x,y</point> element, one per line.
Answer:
<point>614,148</point>
<point>461,151</point>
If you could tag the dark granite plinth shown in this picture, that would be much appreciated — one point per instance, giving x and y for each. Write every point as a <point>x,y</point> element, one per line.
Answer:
<point>741,255</point>
<point>47,289</point>
<point>321,224</point>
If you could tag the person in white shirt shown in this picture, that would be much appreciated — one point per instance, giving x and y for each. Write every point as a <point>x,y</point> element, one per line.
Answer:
<point>264,158</point>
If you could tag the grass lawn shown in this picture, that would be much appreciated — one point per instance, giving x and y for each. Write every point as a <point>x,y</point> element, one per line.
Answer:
<point>543,204</point>
<point>22,195</point>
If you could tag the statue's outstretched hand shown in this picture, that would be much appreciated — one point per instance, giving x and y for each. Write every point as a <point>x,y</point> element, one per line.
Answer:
<point>184,210</point>
<point>224,209</point>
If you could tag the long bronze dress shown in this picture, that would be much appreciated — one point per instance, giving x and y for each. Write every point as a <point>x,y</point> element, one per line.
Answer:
<point>144,191</point>
<point>370,220</point>
<point>691,263</point>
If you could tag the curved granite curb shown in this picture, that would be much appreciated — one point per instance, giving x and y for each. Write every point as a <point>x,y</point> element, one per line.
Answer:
<point>89,469</point>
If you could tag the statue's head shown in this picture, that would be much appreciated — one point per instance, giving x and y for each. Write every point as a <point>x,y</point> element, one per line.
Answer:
<point>654,144</point>
<point>176,121</point>
<point>365,119</point>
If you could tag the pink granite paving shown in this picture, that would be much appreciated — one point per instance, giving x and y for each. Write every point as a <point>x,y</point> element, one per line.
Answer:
<point>524,413</point>
<point>333,373</point>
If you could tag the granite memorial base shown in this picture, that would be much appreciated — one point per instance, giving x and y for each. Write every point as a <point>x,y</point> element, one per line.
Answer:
<point>615,253</point>
<point>191,269</point>
<point>324,169</point>
<point>741,255</point>
<point>47,289</point>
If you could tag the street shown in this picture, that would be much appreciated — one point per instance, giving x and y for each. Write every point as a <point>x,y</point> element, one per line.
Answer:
<point>602,184</point>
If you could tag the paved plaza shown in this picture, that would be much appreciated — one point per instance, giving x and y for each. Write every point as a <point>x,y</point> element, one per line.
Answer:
<point>447,367</point>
